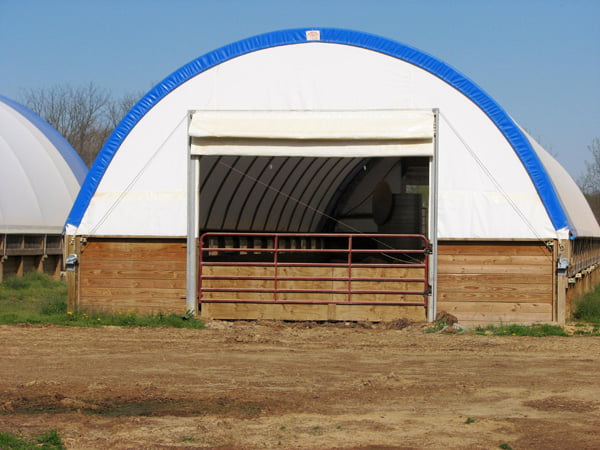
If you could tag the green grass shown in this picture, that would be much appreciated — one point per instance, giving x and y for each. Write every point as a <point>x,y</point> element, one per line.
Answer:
<point>49,440</point>
<point>37,299</point>
<point>33,298</point>
<point>537,330</point>
<point>588,307</point>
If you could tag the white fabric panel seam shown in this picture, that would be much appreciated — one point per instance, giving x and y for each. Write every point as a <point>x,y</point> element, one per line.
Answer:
<point>318,149</point>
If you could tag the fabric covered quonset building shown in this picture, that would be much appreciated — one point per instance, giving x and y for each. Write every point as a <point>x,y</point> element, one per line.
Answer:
<point>326,174</point>
<point>40,177</point>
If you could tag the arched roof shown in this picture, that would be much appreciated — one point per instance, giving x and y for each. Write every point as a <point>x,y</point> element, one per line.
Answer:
<point>40,173</point>
<point>496,114</point>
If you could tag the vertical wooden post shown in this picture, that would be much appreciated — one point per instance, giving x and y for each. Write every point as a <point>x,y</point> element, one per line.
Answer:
<point>56,268</point>
<point>39,263</point>
<point>562,281</point>
<point>2,255</point>
<point>20,264</point>
<point>72,246</point>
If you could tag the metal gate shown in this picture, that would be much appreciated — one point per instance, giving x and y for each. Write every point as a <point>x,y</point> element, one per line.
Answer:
<point>341,269</point>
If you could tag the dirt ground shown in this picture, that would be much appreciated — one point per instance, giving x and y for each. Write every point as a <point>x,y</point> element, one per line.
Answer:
<point>299,386</point>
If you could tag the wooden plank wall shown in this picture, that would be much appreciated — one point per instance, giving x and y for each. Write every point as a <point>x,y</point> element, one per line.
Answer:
<point>578,287</point>
<point>299,312</point>
<point>478,282</point>
<point>12,266</point>
<point>321,283</point>
<point>493,282</point>
<point>24,253</point>
<point>142,275</point>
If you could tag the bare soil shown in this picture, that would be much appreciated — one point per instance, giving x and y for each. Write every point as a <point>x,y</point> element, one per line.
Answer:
<point>259,385</point>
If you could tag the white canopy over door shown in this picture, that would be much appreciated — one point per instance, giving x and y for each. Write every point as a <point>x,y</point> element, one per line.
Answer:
<point>378,133</point>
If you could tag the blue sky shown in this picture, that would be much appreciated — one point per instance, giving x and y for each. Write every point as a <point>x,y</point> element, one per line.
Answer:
<point>539,59</point>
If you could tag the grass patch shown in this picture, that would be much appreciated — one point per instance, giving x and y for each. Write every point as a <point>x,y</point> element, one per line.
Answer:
<point>592,331</point>
<point>37,299</point>
<point>49,440</point>
<point>33,298</point>
<point>588,307</point>
<point>537,330</point>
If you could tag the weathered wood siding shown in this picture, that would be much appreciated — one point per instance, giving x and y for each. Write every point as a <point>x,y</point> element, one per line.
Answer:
<point>478,282</point>
<point>142,275</point>
<point>481,282</point>
<point>578,287</point>
<point>24,253</point>
<point>374,313</point>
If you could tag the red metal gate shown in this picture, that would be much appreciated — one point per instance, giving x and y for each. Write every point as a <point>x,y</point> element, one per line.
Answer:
<point>341,269</point>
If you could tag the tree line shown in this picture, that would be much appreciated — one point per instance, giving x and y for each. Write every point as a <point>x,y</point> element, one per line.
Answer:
<point>590,180</point>
<point>87,115</point>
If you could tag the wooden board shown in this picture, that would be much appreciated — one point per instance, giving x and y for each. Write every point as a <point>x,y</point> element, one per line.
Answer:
<point>496,282</point>
<point>11,266</point>
<point>478,282</point>
<point>523,248</point>
<point>326,284</point>
<point>375,313</point>
<point>51,265</point>
<point>487,278</point>
<point>579,287</point>
<point>23,262</point>
<point>143,275</point>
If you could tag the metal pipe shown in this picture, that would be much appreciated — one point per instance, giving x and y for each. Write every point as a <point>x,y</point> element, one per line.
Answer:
<point>312,302</point>
<point>191,303</point>
<point>433,217</point>
<point>205,241</point>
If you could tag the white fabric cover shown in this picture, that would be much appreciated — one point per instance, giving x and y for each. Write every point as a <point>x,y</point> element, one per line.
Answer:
<point>484,190</point>
<point>37,186</point>
<point>312,133</point>
<point>308,148</point>
<point>582,221</point>
<point>313,124</point>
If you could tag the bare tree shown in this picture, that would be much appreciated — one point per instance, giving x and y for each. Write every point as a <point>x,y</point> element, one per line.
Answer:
<point>116,109</point>
<point>590,180</point>
<point>84,115</point>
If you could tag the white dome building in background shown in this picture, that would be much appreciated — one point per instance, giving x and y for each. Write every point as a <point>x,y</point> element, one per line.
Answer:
<point>40,176</point>
<point>290,141</point>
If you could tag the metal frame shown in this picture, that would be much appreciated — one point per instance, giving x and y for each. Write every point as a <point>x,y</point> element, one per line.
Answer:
<point>193,206</point>
<point>349,252</point>
<point>193,187</point>
<point>433,217</point>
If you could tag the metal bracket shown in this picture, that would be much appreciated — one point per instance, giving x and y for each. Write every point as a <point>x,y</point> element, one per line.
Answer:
<point>562,265</point>
<point>71,262</point>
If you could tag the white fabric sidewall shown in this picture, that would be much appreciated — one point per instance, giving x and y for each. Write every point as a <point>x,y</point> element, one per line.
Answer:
<point>581,217</point>
<point>37,186</point>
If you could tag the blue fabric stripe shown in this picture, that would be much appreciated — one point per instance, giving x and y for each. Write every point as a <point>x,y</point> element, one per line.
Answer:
<point>68,153</point>
<point>411,55</point>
